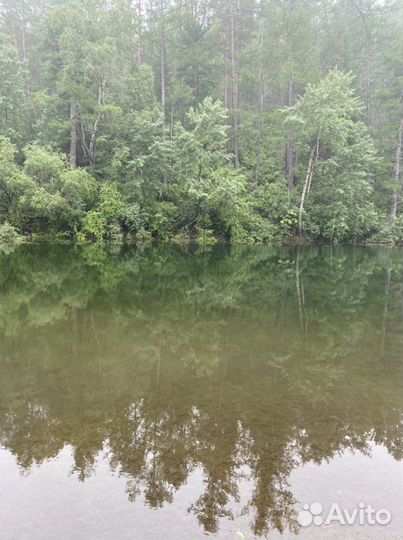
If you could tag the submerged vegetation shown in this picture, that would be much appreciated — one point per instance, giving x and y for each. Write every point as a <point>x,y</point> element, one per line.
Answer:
<point>255,121</point>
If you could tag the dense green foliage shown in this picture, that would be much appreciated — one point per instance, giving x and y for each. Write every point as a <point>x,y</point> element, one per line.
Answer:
<point>246,121</point>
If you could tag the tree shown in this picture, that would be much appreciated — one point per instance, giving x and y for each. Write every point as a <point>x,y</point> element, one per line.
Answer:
<point>327,124</point>
<point>13,107</point>
<point>45,194</point>
<point>103,223</point>
<point>13,182</point>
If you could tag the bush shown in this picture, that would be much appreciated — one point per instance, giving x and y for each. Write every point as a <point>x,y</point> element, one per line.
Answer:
<point>94,225</point>
<point>134,222</point>
<point>104,223</point>
<point>9,237</point>
<point>205,237</point>
<point>164,219</point>
<point>391,234</point>
<point>113,232</point>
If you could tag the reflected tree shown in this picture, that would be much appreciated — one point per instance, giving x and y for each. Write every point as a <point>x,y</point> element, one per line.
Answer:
<point>170,361</point>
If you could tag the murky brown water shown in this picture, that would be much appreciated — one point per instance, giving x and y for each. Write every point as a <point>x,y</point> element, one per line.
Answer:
<point>169,393</point>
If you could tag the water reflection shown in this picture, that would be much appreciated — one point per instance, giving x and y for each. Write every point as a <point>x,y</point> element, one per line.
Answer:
<point>242,362</point>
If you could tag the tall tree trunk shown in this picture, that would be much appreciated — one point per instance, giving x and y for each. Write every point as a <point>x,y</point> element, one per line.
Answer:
<point>95,128</point>
<point>24,57</point>
<point>289,152</point>
<point>226,91</point>
<point>234,86</point>
<point>262,96</point>
<point>313,158</point>
<point>23,31</point>
<point>140,37</point>
<point>73,136</point>
<point>369,82</point>
<point>162,57</point>
<point>398,160</point>
<point>368,37</point>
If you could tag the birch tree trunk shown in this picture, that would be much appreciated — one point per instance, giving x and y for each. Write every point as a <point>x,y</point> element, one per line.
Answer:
<point>313,158</point>
<point>398,160</point>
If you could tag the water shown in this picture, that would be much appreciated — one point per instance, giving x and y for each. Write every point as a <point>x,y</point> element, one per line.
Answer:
<point>168,393</point>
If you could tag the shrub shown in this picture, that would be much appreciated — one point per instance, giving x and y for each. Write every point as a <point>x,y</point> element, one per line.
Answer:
<point>134,222</point>
<point>95,225</point>
<point>9,237</point>
<point>164,219</point>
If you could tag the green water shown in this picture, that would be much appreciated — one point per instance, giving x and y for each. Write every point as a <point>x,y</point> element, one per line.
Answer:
<point>167,393</point>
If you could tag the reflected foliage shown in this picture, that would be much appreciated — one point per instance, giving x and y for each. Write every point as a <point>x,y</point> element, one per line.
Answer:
<point>239,362</point>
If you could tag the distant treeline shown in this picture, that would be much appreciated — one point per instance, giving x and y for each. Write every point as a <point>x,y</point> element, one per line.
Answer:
<point>243,121</point>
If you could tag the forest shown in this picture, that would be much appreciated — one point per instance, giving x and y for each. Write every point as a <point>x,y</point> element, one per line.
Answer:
<point>240,121</point>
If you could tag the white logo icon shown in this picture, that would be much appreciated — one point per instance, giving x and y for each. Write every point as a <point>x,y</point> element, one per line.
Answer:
<point>310,514</point>
<point>363,514</point>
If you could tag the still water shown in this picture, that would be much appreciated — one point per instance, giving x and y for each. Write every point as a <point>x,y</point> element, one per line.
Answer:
<point>169,393</point>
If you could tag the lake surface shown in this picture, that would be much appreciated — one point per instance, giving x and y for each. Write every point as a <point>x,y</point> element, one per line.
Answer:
<point>169,393</point>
